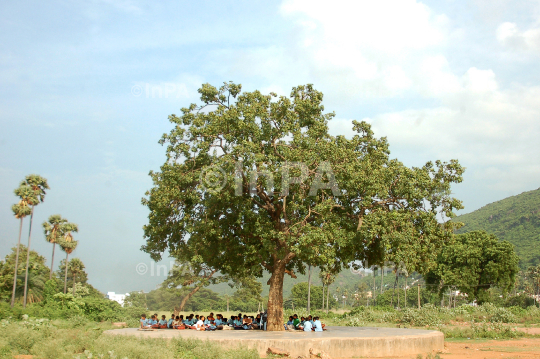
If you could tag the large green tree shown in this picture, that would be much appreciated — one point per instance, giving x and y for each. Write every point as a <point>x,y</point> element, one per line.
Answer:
<point>474,262</point>
<point>255,182</point>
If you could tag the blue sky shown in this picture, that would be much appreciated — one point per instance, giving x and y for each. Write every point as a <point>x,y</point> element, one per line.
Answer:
<point>86,88</point>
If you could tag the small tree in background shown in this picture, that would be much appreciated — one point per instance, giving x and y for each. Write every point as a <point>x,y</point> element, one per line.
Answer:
<point>68,245</point>
<point>55,229</point>
<point>37,276</point>
<point>474,262</point>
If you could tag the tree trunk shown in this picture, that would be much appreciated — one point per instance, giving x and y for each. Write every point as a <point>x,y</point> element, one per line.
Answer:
<point>322,297</point>
<point>65,276</point>
<point>52,260</point>
<point>28,259</point>
<point>374,288</point>
<point>309,291</point>
<point>327,298</point>
<point>189,295</point>
<point>73,285</point>
<point>16,268</point>
<point>394,292</point>
<point>418,294</point>
<point>382,279</point>
<point>275,299</point>
<point>405,305</point>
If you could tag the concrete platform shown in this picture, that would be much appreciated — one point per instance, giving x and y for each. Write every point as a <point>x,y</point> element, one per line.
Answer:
<point>343,342</point>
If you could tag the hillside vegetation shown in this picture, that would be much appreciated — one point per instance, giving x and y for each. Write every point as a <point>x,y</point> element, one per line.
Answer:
<point>515,219</point>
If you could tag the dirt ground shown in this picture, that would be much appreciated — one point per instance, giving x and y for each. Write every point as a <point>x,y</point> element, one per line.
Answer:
<point>487,349</point>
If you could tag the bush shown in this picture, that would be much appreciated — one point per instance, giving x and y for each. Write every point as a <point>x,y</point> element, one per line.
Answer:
<point>521,300</point>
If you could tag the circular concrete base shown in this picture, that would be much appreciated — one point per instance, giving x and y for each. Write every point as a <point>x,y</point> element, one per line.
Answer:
<point>344,342</point>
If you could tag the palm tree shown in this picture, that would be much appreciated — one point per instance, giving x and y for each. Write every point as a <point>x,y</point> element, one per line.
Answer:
<point>68,245</point>
<point>20,210</point>
<point>54,230</point>
<point>38,185</point>
<point>76,266</point>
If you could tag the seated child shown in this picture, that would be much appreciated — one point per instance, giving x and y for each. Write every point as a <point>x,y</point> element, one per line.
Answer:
<point>307,326</point>
<point>238,323</point>
<point>290,322</point>
<point>257,322</point>
<point>296,321</point>
<point>170,322</point>
<point>302,321</point>
<point>163,322</point>
<point>247,322</point>
<point>219,322</point>
<point>200,324</point>
<point>177,324</point>
<point>190,323</point>
<point>153,322</point>
<point>144,323</point>
<point>317,325</point>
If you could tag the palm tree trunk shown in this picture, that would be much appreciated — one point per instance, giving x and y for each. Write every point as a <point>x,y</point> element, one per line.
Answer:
<point>28,258</point>
<point>65,276</point>
<point>52,260</point>
<point>16,269</point>
<point>309,291</point>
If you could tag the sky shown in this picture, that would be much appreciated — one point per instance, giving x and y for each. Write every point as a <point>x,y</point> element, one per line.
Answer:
<point>86,88</point>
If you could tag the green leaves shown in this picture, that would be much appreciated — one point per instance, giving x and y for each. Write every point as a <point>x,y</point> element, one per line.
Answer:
<point>377,209</point>
<point>475,262</point>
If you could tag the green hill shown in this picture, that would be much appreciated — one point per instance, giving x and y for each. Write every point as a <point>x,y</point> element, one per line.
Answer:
<point>515,219</point>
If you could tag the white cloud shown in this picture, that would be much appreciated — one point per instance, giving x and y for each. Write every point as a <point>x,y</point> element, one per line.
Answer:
<point>373,49</point>
<point>509,35</point>
<point>488,130</point>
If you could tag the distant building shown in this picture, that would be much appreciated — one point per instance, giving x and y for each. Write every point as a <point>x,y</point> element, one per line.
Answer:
<point>117,297</point>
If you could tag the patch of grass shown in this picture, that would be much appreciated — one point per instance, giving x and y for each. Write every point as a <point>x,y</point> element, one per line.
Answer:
<point>83,339</point>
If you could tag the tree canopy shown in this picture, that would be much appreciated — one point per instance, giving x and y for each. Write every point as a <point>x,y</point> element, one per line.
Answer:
<point>475,262</point>
<point>38,274</point>
<point>255,182</point>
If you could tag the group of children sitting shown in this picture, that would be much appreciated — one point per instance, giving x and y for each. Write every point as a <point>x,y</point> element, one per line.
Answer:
<point>200,322</point>
<point>239,322</point>
<point>306,324</point>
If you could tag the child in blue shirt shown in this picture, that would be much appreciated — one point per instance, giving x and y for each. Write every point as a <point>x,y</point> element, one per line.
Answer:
<point>317,325</point>
<point>144,322</point>
<point>163,322</point>
<point>290,322</point>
